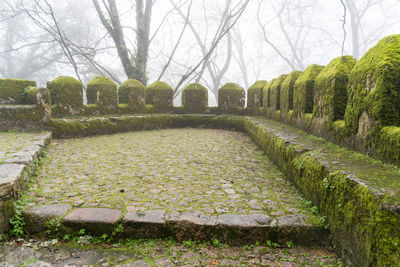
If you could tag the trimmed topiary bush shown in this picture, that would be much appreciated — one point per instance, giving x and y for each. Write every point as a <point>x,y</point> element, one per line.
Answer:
<point>303,93</point>
<point>275,92</point>
<point>255,96</point>
<point>286,99</point>
<point>12,90</point>
<point>231,98</point>
<point>374,88</point>
<point>195,98</point>
<point>67,93</point>
<point>132,92</point>
<point>160,95</point>
<point>103,92</point>
<point>330,92</point>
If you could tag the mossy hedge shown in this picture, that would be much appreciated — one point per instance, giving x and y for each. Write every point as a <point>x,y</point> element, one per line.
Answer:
<point>195,98</point>
<point>275,92</point>
<point>303,92</point>
<point>286,101</point>
<point>267,95</point>
<point>330,91</point>
<point>67,94</point>
<point>255,96</point>
<point>161,95</point>
<point>231,98</point>
<point>132,92</point>
<point>374,88</point>
<point>103,92</point>
<point>12,90</point>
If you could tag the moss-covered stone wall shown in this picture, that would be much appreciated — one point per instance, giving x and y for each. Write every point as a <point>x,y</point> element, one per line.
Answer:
<point>286,95</point>
<point>161,95</point>
<point>275,93</point>
<point>67,94</point>
<point>103,92</point>
<point>255,97</point>
<point>132,92</point>
<point>374,88</point>
<point>330,92</point>
<point>231,98</point>
<point>195,98</point>
<point>303,92</point>
<point>12,90</point>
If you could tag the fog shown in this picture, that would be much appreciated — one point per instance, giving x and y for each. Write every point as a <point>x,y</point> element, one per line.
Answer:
<point>211,42</point>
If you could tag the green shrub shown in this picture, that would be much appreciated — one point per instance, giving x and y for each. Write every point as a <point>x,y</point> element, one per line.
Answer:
<point>330,91</point>
<point>275,92</point>
<point>231,97</point>
<point>160,95</point>
<point>195,98</point>
<point>67,93</point>
<point>12,90</point>
<point>255,96</point>
<point>303,93</point>
<point>103,92</point>
<point>374,88</point>
<point>286,99</point>
<point>132,92</point>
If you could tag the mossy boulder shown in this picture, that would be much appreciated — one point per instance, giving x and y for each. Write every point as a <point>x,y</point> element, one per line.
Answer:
<point>374,88</point>
<point>286,99</point>
<point>160,95</point>
<point>303,93</point>
<point>132,92</point>
<point>195,98</point>
<point>231,98</point>
<point>12,90</point>
<point>103,92</point>
<point>255,96</point>
<point>275,92</point>
<point>67,93</point>
<point>330,92</point>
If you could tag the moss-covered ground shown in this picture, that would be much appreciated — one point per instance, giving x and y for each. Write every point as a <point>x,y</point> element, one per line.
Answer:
<point>12,142</point>
<point>212,171</point>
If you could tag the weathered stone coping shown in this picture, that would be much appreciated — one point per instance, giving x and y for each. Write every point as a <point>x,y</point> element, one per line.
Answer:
<point>15,172</point>
<point>231,228</point>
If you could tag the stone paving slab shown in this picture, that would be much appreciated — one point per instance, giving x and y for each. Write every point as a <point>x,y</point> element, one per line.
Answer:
<point>36,217</point>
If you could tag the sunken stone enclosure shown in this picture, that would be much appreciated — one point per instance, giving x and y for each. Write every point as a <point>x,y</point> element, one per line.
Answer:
<point>333,131</point>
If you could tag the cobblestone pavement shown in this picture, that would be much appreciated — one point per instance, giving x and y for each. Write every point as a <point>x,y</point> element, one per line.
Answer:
<point>177,170</point>
<point>132,253</point>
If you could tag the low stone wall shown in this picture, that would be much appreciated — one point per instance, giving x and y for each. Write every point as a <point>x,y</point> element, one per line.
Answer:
<point>15,172</point>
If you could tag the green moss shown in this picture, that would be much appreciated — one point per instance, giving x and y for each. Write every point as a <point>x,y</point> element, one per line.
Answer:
<point>286,100</point>
<point>388,143</point>
<point>339,130</point>
<point>267,96</point>
<point>22,113</point>
<point>255,96</point>
<point>230,97</point>
<point>303,93</point>
<point>307,119</point>
<point>29,95</point>
<point>330,91</point>
<point>275,92</point>
<point>195,98</point>
<point>67,93</point>
<point>160,94</point>
<point>132,92</point>
<point>12,90</point>
<point>374,86</point>
<point>103,92</point>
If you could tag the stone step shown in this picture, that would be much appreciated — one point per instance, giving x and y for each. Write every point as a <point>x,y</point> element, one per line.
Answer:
<point>235,229</point>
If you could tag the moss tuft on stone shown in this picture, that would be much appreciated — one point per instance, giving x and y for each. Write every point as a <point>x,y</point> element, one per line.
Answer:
<point>286,100</point>
<point>29,95</point>
<point>195,98</point>
<point>231,97</point>
<point>103,92</point>
<point>132,92</point>
<point>255,96</point>
<point>67,93</point>
<point>374,88</point>
<point>160,95</point>
<point>303,93</point>
<point>12,90</point>
<point>275,92</point>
